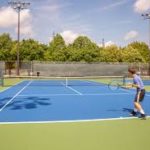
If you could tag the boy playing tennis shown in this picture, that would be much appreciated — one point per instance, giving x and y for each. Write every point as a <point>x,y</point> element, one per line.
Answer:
<point>140,93</point>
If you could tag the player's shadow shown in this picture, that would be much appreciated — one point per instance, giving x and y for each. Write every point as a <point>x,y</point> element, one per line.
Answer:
<point>129,110</point>
<point>120,110</point>
<point>114,110</point>
<point>25,103</point>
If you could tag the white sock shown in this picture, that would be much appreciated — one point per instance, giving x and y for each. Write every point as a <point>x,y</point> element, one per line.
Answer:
<point>142,111</point>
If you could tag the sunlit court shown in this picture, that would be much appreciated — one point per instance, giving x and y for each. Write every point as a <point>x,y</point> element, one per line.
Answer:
<point>63,100</point>
<point>74,74</point>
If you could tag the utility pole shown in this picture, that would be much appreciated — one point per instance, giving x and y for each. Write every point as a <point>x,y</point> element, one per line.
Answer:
<point>103,43</point>
<point>147,17</point>
<point>18,6</point>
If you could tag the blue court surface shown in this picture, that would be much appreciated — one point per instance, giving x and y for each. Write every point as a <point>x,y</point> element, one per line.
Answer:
<point>28,102</point>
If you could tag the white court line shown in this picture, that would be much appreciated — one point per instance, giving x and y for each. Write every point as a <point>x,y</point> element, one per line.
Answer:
<point>74,90</point>
<point>15,96</point>
<point>72,121</point>
<point>92,94</point>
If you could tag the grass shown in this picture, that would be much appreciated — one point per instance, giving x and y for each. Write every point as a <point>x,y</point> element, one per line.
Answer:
<point>147,88</point>
<point>10,82</point>
<point>131,134</point>
<point>107,81</point>
<point>106,135</point>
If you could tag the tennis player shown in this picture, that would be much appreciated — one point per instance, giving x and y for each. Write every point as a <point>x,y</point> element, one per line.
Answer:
<point>140,93</point>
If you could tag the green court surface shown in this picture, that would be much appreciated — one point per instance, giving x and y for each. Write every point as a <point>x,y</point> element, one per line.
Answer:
<point>132,134</point>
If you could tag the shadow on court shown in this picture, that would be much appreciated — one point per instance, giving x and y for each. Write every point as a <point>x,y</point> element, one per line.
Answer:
<point>115,110</point>
<point>127,110</point>
<point>25,103</point>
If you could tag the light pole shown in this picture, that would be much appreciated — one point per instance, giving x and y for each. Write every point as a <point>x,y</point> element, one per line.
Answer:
<point>18,6</point>
<point>147,17</point>
<point>103,43</point>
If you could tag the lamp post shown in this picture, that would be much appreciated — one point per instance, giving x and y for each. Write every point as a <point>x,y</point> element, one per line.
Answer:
<point>18,6</point>
<point>147,17</point>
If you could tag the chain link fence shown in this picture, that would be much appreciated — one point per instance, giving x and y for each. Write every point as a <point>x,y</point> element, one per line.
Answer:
<point>54,69</point>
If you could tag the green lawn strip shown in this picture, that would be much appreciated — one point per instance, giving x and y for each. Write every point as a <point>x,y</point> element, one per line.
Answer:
<point>106,135</point>
<point>107,81</point>
<point>147,88</point>
<point>10,82</point>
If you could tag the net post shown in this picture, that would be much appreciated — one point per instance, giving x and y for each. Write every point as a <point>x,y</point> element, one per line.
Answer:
<point>2,83</point>
<point>124,79</point>
<point>66,83</point>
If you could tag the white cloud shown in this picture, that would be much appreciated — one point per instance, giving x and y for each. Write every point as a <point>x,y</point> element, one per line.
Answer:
<point>26,30</point>
<point>131,35</point>
<point>109,43</point>
<point>69,36</point>
<point>106,44</point>
<point>25,16</point>
<point>9,19</point>
<point>141,5</point>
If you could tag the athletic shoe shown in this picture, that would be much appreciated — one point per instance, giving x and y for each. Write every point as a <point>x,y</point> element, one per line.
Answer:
<point>133,113</point>
<point>143,116</point>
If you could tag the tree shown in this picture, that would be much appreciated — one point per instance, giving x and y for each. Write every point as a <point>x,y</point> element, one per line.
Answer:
<point>57,49</point>
<point>6,47</point>
<point>142,48</point>
<point>6,53</point>
<point>111,54</point>
<point>32,50</point>
<point>131,54</point>
<point>83,49</point>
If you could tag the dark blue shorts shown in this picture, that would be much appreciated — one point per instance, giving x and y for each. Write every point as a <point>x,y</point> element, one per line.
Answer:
<point>139,95</point>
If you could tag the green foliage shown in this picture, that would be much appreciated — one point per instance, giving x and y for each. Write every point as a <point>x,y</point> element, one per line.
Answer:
<point>32,50</point>
<point>84,50</point>
<point>6,45</point>
<point>142,48</point>
<point>57,43</point>
<point>131,54</point>
<point>56,49</point>
<point>111,54</point>
<point>81,50</point>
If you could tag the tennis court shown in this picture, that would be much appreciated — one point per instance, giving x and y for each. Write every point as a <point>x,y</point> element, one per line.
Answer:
<point>70,114</point>
<point>53,100</point>
<point>67,75</point>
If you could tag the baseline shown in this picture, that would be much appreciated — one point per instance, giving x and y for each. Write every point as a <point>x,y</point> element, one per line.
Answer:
<point>72,121</point>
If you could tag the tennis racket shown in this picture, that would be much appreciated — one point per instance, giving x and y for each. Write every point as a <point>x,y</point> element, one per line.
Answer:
<point>115,85</point>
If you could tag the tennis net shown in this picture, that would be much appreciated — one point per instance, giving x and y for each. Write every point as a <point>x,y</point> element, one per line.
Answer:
<point>63,81</point>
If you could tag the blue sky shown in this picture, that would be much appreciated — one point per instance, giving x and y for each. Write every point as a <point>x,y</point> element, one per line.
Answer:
<point>117,21</point>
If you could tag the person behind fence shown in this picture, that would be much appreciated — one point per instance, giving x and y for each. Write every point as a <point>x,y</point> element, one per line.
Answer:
<point>140,93</point>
